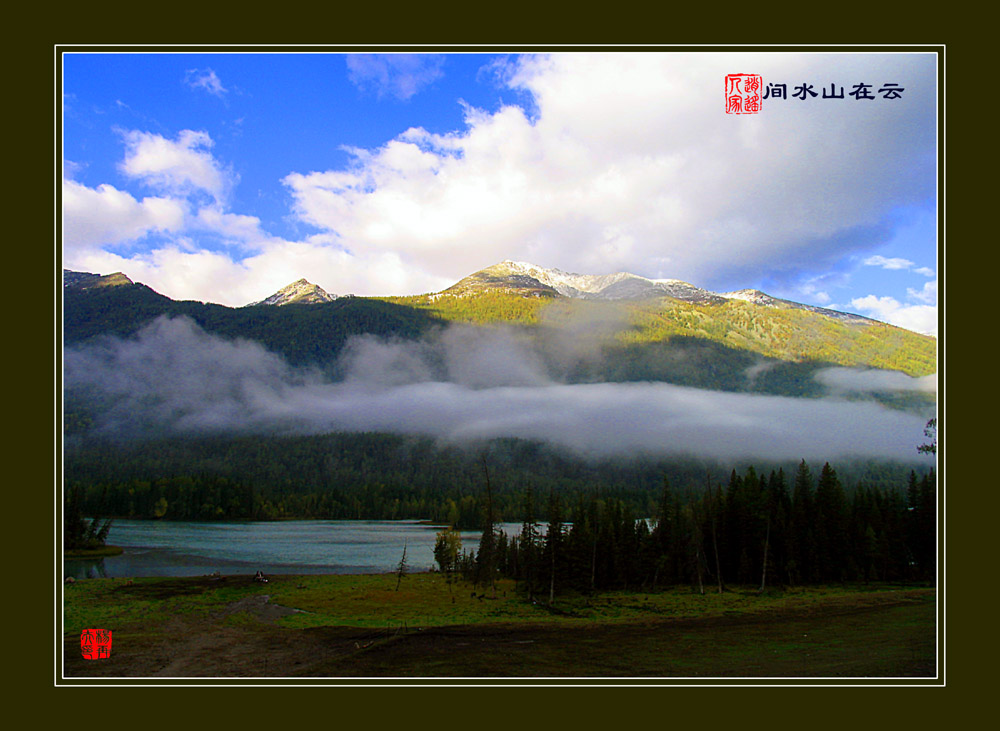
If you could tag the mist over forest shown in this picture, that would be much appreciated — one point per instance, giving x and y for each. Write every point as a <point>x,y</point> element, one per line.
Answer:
<point>462,384</point>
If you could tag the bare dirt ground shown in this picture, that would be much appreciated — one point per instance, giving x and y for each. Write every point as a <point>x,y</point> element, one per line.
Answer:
<point>886,639</point>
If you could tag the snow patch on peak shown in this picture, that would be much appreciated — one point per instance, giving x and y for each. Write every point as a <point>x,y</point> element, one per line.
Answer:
<point>748,295</point>
<point>567,283</point>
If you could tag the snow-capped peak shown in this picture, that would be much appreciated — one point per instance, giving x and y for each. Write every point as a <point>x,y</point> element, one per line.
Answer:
<point>616,286</point>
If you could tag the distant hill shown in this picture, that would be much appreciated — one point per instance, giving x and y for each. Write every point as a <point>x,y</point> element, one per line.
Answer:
<point>86,280</point>
<point>303,334</point>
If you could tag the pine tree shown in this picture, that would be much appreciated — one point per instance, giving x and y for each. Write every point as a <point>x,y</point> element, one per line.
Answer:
<point>402,569</point>
<point>528,544</point>
<point>930,431</point>
<point>924,517</point>
<point>74,524</point>
<point>714,508</point>
<point>661,536</point>
<point>447,548</point>
<point>696,543</point>
<point>486,558</point>
<point>801,565</point>
<point>831,524</point>
<point>912,491</point>
<point>553,541</point>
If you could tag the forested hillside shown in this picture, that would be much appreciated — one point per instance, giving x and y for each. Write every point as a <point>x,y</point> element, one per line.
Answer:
<point>302,333</point>
<point>712,345</point>
<point>705,345</point>
<point>379,476</point>
<point>773,333</point>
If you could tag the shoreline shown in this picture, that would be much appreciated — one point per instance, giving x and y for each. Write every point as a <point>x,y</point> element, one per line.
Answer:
<point>99,552</point>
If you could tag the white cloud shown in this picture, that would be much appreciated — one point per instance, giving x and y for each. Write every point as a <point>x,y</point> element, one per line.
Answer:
<point>232,226</point>
<point>401,75</point>
<point>926,295</point>
<point>631,163</point>
<point>919,315</point>
<point>919,318</point>
<point>866,380</point>
<point>183,271</point>
<point>885,263</point>
<point>205,79</point>
<point>184,166</point>
<point>898,264</point>
<point>106,216</point>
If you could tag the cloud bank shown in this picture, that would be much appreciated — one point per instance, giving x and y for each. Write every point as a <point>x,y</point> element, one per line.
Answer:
<point>628,164</point>
<point>174,378</point>
<point>873,380</point>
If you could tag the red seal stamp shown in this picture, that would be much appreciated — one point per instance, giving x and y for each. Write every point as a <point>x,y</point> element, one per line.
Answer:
<point>743,93</point>
<point>95,644</point>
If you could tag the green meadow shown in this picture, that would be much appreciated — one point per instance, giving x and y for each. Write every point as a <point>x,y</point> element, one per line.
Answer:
<point>348,626</point>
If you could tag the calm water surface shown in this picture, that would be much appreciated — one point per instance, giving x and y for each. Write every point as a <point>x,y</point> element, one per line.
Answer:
<point>165,548</point>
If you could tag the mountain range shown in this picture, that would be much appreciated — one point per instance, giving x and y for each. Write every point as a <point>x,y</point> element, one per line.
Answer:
<point>646,329</point>
<point>526,280</point>
<point>612,384</point>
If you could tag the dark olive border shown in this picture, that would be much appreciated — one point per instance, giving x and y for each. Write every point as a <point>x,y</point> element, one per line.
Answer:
<point>59,50</point>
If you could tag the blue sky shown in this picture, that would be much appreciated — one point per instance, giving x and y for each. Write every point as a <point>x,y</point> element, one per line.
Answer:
<point>222,177</point>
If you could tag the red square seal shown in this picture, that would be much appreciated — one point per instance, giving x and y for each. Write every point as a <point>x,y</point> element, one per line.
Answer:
<point>95,644</point>
<point>743,93</point>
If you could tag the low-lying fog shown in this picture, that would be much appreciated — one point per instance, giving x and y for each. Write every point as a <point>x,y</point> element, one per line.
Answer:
<point>470,384</point>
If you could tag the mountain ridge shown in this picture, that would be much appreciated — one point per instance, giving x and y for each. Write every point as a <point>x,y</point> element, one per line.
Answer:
<point>527,280</point>
<point>724,345</point>
<point>532,280</point>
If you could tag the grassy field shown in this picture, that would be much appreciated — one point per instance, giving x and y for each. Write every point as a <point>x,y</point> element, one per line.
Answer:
<point>361,626</point>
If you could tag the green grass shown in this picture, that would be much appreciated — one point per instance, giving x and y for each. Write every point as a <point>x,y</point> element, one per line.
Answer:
<point>426,600</point>
<point>146,601</point>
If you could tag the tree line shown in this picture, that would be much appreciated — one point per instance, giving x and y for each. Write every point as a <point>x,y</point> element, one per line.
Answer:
<point>375,477</point>
<point>756,531</point>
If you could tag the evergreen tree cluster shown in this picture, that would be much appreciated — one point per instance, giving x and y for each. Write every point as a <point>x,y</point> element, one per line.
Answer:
<point>756,532</point>
<point>78,532</point>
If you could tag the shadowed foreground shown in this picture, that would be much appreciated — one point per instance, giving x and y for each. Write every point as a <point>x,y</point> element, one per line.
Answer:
<point>240,631</point>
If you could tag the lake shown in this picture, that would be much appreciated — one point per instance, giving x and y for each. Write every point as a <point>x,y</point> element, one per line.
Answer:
<point>165,548</point>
